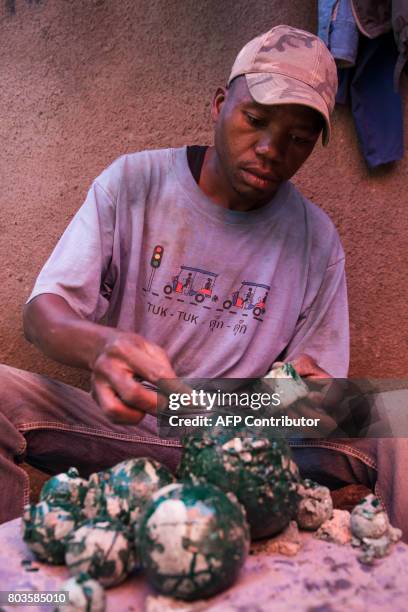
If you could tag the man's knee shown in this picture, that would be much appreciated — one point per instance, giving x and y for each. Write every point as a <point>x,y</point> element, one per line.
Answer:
<point>10,385</point>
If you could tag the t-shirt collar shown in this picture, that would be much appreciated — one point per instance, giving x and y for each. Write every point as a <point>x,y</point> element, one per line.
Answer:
<point>206,206</point>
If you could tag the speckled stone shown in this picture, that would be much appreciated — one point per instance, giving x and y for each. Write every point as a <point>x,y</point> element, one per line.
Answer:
<point>65,490</point>
<point>194,539</point>
<point>258,470</point>
<point>315,505</point>
<point>122,492</point>
<point>85,595</point>
<point>102,549</point>
<point>369,519</point>
<point>131,486</point>
<point>46,529</point>
<point>371,530</point>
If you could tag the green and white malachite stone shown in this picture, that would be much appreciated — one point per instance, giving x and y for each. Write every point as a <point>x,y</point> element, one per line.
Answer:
<point>65,489</point>
<point>102,549</point>
<point>194,539</point>
<point>131,486</point>
<point>287,384</point>
<point>85,595</point>
<point>369,519</point>
<point>122,492</point>
<point>371,530</point>
<point>258,470</point>
<point>46,529</point>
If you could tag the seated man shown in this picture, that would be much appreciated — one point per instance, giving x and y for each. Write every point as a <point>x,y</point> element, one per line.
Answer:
<point>105,300</point>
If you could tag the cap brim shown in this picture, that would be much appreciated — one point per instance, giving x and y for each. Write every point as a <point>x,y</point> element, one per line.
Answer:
<point>268,88</point>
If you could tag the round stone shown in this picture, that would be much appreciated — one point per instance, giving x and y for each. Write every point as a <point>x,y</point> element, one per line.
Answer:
<point>194,540</point>
<point>123,491</point>
<point>102,549</point>
<point>131,486</point>
<point>46,529</point>
<point>315,505</point>
<point>85,595</point>
<point>369,519</point>
<point>258,470</point>
<point>65,490</point>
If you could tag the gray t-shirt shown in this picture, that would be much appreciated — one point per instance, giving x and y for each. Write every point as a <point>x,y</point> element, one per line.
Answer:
<point>225,293</point>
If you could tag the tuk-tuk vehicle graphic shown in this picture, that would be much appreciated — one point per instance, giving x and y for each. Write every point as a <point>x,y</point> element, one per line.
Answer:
<point>250,296</point>
<point>193,282</point>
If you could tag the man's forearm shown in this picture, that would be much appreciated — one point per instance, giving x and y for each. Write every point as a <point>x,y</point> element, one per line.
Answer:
<point>59,332</point>
<point>117,359</point>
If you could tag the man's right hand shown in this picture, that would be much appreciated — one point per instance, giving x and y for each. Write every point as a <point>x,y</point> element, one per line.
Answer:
<point>124,361</point>
<point>118,360</point>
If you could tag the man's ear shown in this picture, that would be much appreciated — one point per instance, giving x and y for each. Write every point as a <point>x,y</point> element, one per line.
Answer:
<point>217,103</point>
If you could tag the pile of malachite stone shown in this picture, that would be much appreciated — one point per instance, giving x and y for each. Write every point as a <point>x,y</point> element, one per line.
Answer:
<point>191,537</point>
<point>258,469</point>
<point>191,540</point>
<point>90,524</point>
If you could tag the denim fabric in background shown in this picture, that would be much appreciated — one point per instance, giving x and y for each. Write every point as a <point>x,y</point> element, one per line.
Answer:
<point>345,76</point>
<point>376,106</point>
<point>338,29</point>
<point>377,17</point>
<point>368,85</point>
<point>325,12</point>
<point>344,35</point>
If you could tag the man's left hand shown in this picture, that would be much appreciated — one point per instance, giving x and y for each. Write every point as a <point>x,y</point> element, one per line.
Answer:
<point>321,401</point>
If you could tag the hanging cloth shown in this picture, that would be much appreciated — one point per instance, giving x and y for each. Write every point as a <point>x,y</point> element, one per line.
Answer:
<point>343,35</point>
<point>377,17</point>
<point>376,106</point>
<point>373,63</point>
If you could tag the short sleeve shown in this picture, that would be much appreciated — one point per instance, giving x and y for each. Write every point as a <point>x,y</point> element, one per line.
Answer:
<point>77,267</point>
<point>322,330</point>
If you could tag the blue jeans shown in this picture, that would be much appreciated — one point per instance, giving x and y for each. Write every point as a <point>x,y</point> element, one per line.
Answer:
<point>338,29</point>
<point>52,426</point>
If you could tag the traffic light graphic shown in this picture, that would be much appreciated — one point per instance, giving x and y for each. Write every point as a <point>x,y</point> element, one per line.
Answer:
<point>157,256</point>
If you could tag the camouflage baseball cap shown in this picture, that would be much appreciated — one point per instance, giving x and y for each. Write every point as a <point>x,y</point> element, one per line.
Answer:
<point>289,66</point>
